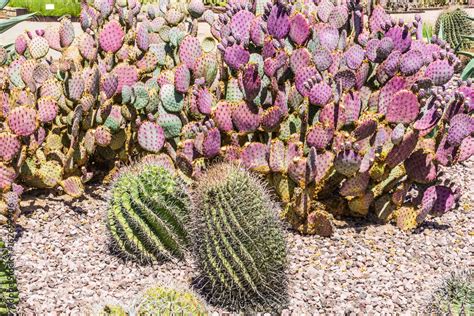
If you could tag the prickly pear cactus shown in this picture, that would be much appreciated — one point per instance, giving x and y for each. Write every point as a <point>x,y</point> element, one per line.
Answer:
<point>239,244</point>
<point>342,119</point>
<point>117,91</point>
<point>326,99</point>
<point>148,212</point>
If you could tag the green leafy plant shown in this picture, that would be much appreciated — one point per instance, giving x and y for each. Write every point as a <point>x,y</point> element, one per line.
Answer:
<point>147,214</point>
<point>61,7</point>
<point>468,71</point>
<point>238,242</point>
<point>3,4</point>
<point>6,24</point>
<point>427,31</point>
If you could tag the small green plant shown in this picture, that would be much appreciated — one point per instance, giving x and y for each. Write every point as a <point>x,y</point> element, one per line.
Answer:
<point>147,214</point>
<point>239,244</point>
<point>6,24</point>
<point>427,31</point>
<point>3,4</point>
<point>61,7</point>
<point>170,302</point>
<point>468,71</point>
<point>217,3</point>
<point>455,296</point>
<point>8,288</point>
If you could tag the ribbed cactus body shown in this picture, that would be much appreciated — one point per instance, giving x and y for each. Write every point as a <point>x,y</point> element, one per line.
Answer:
<point>238,242</point>
<point>8,288</point>
<point>170,302</point>
<point>147,213</point>
<point>455,296</point>
<point>452,25</point>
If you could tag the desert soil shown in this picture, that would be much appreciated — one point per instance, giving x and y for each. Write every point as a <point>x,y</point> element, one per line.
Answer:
<point>64,265</point>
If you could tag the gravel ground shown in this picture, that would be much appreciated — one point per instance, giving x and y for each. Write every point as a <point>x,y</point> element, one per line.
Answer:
<point>64,265</point>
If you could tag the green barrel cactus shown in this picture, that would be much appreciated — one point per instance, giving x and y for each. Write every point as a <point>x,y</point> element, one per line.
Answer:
<point>455,296</point>
<point>238,242</point>
<point>8,288</point>
<point>170,302</point>
<point>452,25</point>
<point>147,213</point>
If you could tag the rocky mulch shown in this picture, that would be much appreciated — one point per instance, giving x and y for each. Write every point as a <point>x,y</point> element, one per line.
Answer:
<point>64,264</point>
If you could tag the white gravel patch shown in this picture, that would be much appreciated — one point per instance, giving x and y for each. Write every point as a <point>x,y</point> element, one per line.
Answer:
<point>64,265</point>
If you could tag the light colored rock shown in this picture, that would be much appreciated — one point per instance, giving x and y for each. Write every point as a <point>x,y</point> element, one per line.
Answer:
<point>64,265</point>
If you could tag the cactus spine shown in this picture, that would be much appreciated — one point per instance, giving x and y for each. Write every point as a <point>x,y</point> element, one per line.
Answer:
<point>168,302</point>
<point>455,296</point>
<point>147,213</point>
<point>239,245</point>
<point>9,296</point>
<point>451,25</point>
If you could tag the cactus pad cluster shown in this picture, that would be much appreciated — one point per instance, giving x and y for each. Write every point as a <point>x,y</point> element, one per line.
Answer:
<point>344,110</point>
<point>342,119</point>
<point>108,94</point>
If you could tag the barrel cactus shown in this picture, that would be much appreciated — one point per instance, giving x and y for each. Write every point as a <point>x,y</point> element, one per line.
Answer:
<point>238,243</point>
<point>452,25</point>
<point>168,302</point>
<point>148,212</point>
<point>455,296</point>
<point>9,296</point>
